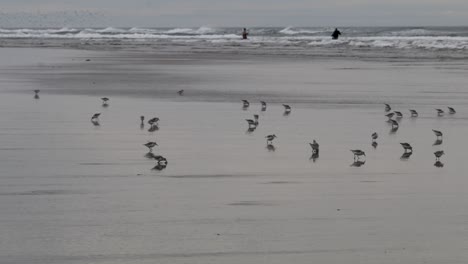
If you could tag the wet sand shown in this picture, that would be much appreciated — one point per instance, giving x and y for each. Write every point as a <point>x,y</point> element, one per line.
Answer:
<point>76,193</point>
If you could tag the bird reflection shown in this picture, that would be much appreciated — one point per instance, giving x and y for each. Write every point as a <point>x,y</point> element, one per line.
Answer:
<point>314,157</point>
<point>36,96</point>
<point>375,144</point>
<point>438,164</point>
<point>286,113</point>
<point>153,128</point>
<point>149,155</point>
<point>437,142</point>
<point>358,163</point>
<point>406,155</point>
<point>393,130</point>
<point>270,147</point>
<point>105,105</point>
<point>250,130</point>
<point>95,122</point>
<point>159,167</point>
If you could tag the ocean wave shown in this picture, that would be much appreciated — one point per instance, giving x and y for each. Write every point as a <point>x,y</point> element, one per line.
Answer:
<point>397,38</point>
<point>293,31</point>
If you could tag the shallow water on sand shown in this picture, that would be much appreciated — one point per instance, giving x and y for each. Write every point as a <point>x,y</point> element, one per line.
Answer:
<point>72,192</point>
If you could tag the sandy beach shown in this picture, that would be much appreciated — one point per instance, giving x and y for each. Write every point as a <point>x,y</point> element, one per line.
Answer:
<point>72,192</point>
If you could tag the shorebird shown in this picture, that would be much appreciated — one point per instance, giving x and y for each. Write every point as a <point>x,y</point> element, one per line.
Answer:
<point>394,123</point>
<point>104,100</point>
<point>256,119</point>
<point>181,92</point>
<point>95,116</point>
<point>413,113</point>
<point>287,108</point>
<point>451,110</point>
<point>437,133</point>
<point>264,105</point>
<point>245,103</point>
<point>160,159</point>
<point>387,108</point>
<point>252,123</point>
<point>315,147</point>
<point>398,114</point>
<point>407,147</point>
<point>374,136</point>
<point>270,139</point>
<point>439,154</point>
<point>390,115</point>
<point>142,118</point>
<point>150,145</point>
<point>358,153</point>
<point>36,94</point>
<point>153,121</point>
<point>440,112</point>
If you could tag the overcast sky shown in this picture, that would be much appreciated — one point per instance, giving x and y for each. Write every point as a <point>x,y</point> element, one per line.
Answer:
<point>248,13</point>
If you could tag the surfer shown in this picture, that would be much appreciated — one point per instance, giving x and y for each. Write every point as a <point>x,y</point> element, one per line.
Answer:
<point>244,33</point>
<point>336,34</point>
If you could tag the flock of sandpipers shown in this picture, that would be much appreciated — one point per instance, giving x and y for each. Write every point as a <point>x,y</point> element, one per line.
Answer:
<point>161,162</point>
<point>358,154</point>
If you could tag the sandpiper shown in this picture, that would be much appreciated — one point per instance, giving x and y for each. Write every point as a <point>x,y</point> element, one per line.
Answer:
<point>437,133</point>
<point>252,123</point>
<point>95,116</point>
<point>451,110</point>
<point>398,114</point>
<point>387,108</point>
<point>413,113</point>
<point>315,147</point>
<point>150,145</point>
<point>440,112</point>
<point>374,136</point>
<point>358,153</point>
<point>256,119</point>
<point>407,147</point>
<point>439,154</point>
<point>104,100</point>
<point>181,92</point>
<point>287,108</point>
<point>390,115</point>
<point>153,121</point>
<point>270,139</point>
<point>264,105</point>
<point>394,123</point>
<point>245,103</point>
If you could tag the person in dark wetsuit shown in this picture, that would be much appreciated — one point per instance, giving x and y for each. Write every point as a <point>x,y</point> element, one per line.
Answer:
<point>336,34</point>
<point>244,34</point>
